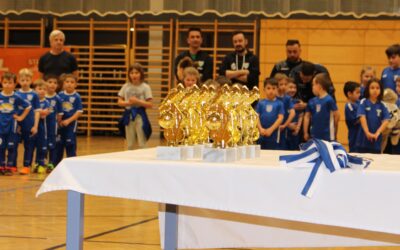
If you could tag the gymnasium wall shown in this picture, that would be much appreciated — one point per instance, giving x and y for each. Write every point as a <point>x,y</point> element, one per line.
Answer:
<point>343,46</point>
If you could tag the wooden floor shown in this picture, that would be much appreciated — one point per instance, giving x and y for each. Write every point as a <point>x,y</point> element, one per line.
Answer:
<point>27,222</point>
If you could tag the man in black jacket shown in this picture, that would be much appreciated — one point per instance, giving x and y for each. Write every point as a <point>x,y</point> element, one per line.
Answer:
<point>293,52</point>
<point>241,66</point>
<point>201,59</point>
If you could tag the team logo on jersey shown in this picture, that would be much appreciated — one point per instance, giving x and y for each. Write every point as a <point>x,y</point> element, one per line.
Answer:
<point>71,99</point>
<point>200,65</point>
<point>384,75</point>
<point>12,100</point>
<point>368,108</point>
<point>246,65</point>
<point>53,103</point>
<point>318,108</point>
<point>67,106</point>
<point>378,112</point>
<point>29,97</point>
<point>233,66</point>
<point>6,107</point>
<point>268,108</point>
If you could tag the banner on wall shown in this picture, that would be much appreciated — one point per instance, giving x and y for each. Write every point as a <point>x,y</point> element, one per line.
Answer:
<point>14,59</point>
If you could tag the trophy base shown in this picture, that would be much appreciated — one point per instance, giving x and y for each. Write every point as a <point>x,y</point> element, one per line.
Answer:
<point>171,153</point>
<point>193,151</point>
<point>219,154</point>
<point>253,151</point>
<point>242,152</point>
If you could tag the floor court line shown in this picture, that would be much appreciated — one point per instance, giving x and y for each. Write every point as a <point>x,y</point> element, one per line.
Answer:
<point>107,232</point>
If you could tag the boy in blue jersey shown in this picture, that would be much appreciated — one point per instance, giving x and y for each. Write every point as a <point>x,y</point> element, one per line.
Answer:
<point>321,112</point>
<point>29,126</point>
<point>52,121</point>
<point>10,102</point>
<point>72,110</point>
<point>271,112</point>
<point>288,108</point>
<point>374,118</point>
<point>352,92</point>
<point>41,138</point>
<point>390,74</point>
<point>294,128</point>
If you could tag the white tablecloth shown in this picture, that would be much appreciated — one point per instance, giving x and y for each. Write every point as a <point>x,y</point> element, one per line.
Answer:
<point>367,200</point>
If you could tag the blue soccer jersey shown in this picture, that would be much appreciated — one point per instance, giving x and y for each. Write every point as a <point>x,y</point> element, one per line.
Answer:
<point>322,122</point>
<point>55,109</point>
<point>268,112</point>
<point>287,106</point>
<point>33,99</point>
<point>293,141</point>
<point>374,113</point>
<point>71,103</point>
<point>353,124</point>
<point>389,76</point>
<point>9,106</point>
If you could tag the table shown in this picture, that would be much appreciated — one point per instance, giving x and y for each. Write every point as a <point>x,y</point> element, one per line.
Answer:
<point>257,188</point>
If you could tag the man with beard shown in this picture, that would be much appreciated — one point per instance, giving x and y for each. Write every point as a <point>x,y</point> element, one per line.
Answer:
<point>241,66</point>
<point>293,51</point>
<point>202,61</point>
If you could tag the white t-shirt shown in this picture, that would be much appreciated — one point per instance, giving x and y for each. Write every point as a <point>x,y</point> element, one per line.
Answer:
<point>141,91</point>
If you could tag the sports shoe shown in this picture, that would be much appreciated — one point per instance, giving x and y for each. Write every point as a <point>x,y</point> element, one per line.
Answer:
<point>8,171</point>
<point>25,171</point>
<point>41,169</point>
<point>50,167</point>
<point>14,169</point>
<point>35,168</point>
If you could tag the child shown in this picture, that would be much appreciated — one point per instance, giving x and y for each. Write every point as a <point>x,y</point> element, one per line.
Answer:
<point>72,110</point>
<point>288,108</point>
<point>41,138</point>
<point>293,139</point>
<point>352,92</point>
<point>367,73</point>
<point>271,112</point>
<point>9,103</point>
<point>135,96</point>
<point>182,65</point>
<point>191,77</point>
<point>374,118</point>
<point>389,74</point>
<point>322,111</point>
<point>29,126</point>
<point>52,121</point>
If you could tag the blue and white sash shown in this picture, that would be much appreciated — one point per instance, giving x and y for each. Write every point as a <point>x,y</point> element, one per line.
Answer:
<point>331,155</point>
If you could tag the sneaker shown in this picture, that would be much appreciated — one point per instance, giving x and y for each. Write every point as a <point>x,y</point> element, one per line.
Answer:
<point>50,167</point>
<point>41,169</point>
<point>25,171</point>
<point>8,171</point>
<point>14,169</point>
<point>35,168</point>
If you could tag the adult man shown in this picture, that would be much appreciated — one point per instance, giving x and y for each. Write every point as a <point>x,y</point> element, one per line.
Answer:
<point>202,61</point>
<point>293,51</point>
<point>303,75</point>
<point>241,66</point>
<point>57,61</point>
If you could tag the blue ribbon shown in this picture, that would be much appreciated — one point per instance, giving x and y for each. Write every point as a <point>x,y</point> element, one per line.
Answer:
<point>332,155</point>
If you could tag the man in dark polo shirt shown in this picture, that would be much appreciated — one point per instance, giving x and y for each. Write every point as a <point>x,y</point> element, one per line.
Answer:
<point>241,66</point>
<point>57,61</point>
<point>202,61</point>
<point>293,52</point>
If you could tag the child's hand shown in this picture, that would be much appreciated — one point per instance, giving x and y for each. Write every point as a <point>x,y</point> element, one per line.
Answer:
<point>300,106</point>
<point>18,118</point>
<point>282,127</point>
<point>268,132</point>
<point>306,136</point>
<point>376,136</point>
<point>133,100</point>
<point>65,123</point>
<point>34,131</point>
<point>296,131</point>
<point>370,136</point>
